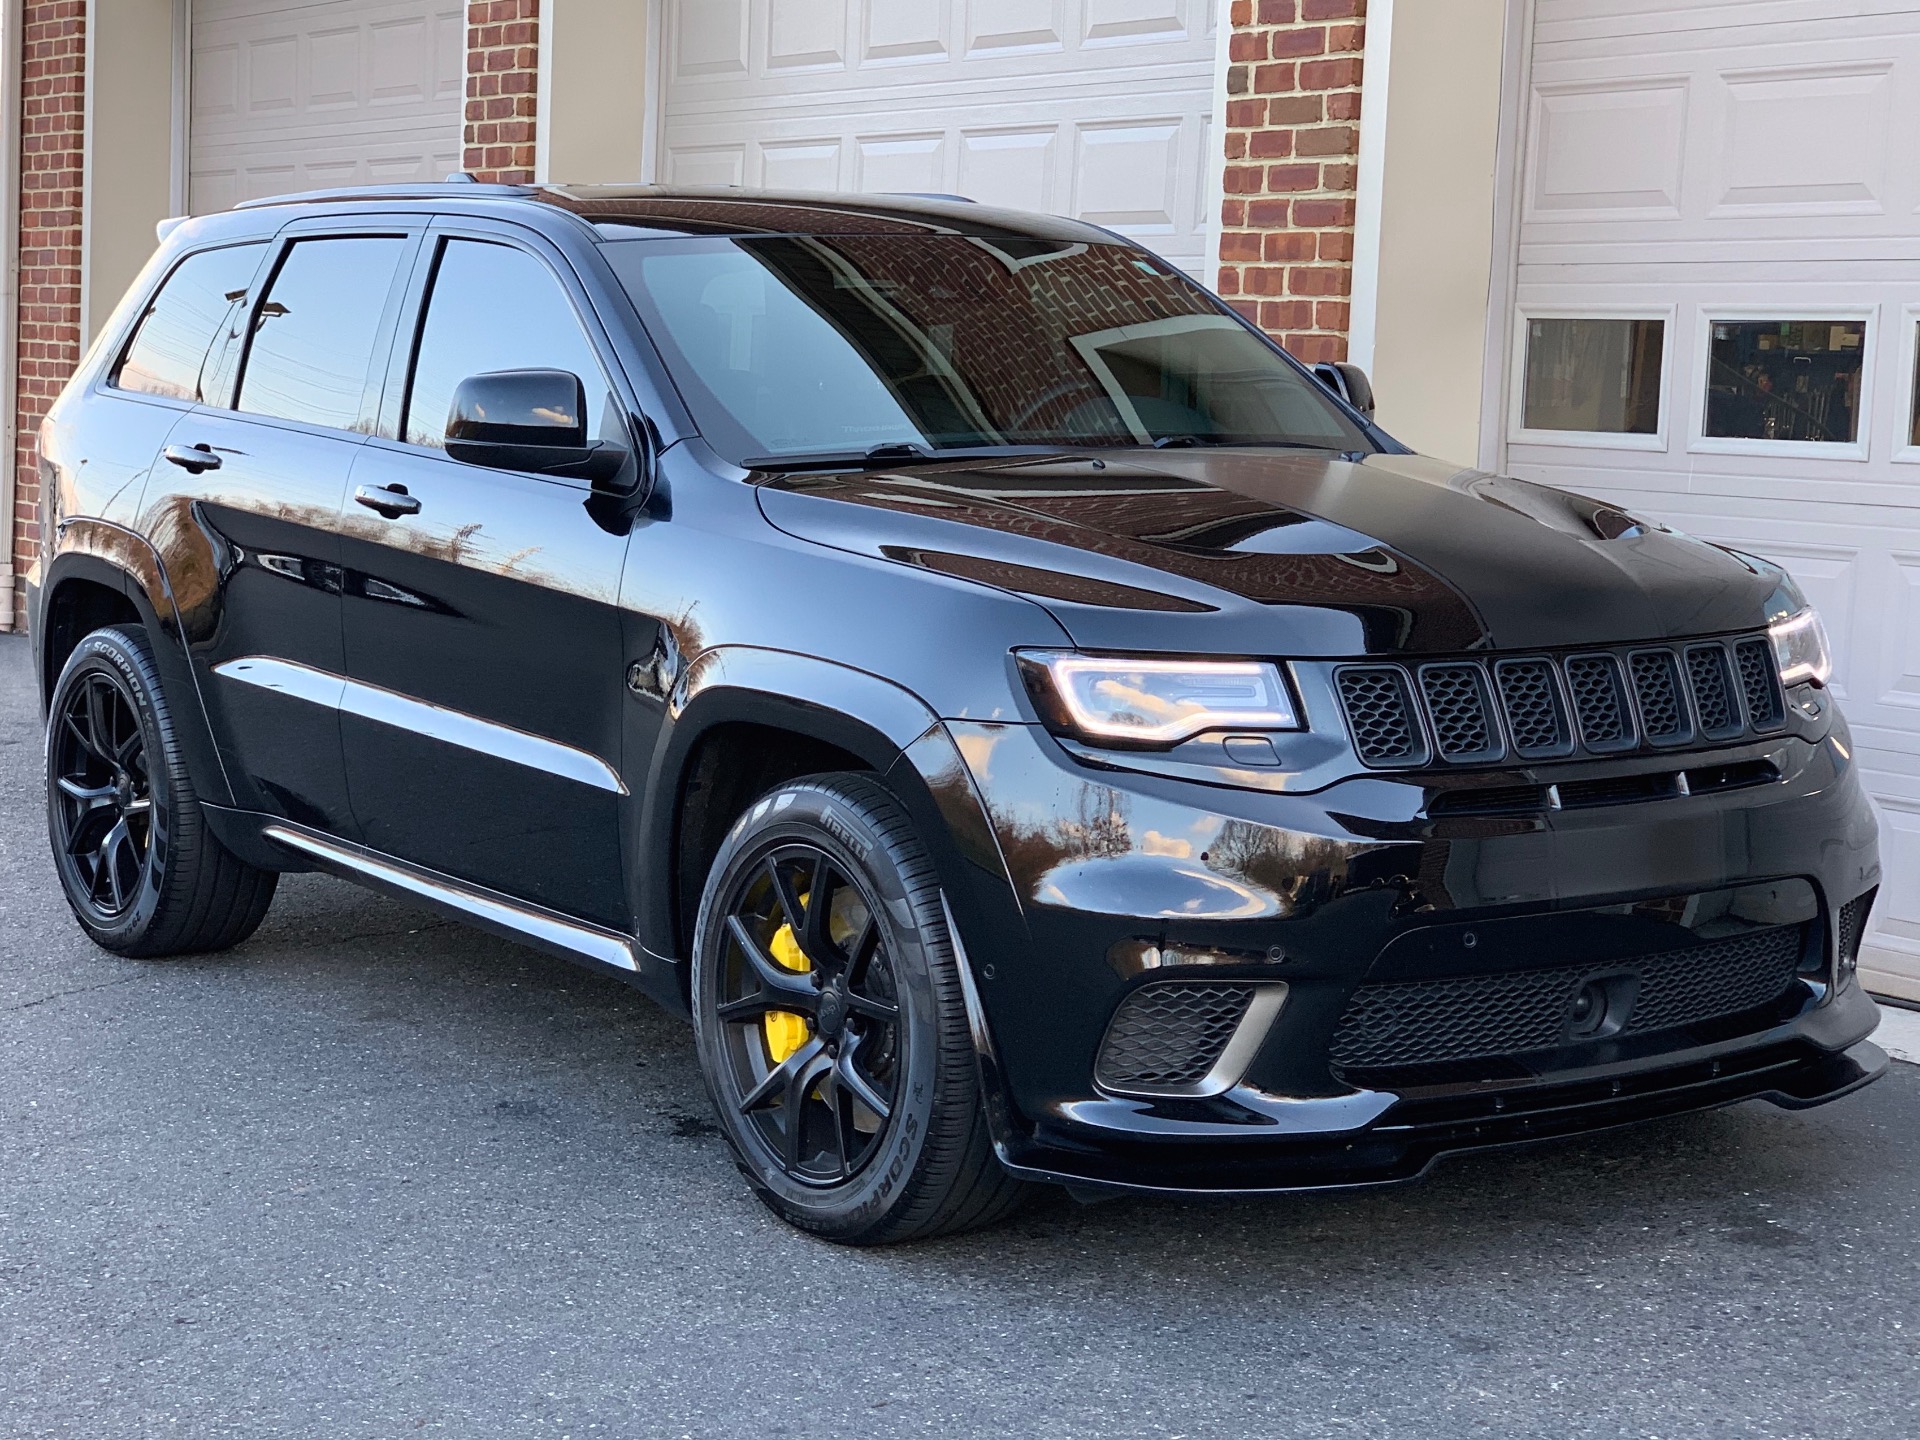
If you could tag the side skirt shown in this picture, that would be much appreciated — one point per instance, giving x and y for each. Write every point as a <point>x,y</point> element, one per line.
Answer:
<point>583,943</point>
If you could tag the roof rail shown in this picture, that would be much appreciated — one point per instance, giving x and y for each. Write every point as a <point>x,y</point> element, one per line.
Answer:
<point>930,195</point>
<point>468,189</point>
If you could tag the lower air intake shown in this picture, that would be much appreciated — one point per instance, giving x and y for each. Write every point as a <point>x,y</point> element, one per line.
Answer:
<point>1476,1017</point>
<point>1168,1037</point>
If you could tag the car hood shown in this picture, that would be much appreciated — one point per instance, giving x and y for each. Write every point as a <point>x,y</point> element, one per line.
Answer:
<point>1287,552</point>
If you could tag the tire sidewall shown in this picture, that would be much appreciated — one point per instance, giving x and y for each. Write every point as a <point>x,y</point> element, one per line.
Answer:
<point>816,815</point>
<point>119,656</point>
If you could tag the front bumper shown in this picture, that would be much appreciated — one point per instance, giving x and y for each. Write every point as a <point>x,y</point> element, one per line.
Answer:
<point>1081,872</point>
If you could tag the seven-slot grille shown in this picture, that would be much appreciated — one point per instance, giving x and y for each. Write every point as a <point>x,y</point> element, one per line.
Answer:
<point>1547,707</point>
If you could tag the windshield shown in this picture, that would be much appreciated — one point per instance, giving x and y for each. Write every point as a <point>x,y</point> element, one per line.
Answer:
<point>843,344</point>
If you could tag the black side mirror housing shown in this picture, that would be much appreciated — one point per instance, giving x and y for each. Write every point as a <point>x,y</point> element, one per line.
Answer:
<point>1349,382</point>
<point>532,420</point>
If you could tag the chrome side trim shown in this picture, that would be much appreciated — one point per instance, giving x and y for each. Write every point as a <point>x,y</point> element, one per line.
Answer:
<point>521,921</point>
<point>1268,999</point>
<point>437,722</point>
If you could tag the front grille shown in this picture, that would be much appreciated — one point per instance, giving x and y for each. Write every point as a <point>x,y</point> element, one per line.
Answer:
<point>1600,700</point>
<point>1760,684</point>
<point>1170,1035</point>
<point>1656,685</point>
<point>1473,1017</point>
<point>1535,716</point>
<point>1544,707</point>
<point>1463,729</point>
<point>1379,706</point>
<point>1713,692</point>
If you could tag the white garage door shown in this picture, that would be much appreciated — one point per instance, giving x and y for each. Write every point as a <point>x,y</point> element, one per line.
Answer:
<point>291,96</point>
<point>1098,109</point>
<point>1718,295</point>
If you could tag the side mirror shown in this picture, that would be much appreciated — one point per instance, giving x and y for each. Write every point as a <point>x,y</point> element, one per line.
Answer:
<point>533,420</point>
<point>1349,382</point>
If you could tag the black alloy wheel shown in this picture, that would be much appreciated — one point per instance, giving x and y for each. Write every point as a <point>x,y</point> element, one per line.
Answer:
<point>141,870</point>
<point>812,1024</point>
<point>102,799</point>
<point>832,1022</point>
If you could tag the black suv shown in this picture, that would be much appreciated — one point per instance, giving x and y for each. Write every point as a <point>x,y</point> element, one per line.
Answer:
<point>1038,730</point>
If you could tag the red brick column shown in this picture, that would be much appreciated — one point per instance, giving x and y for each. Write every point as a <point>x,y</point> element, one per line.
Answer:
<point>503,69</point>
<point>52,116</point>
<point>1293,132</point>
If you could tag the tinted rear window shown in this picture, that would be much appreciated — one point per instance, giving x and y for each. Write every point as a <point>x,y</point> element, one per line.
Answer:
<point>177,347</point>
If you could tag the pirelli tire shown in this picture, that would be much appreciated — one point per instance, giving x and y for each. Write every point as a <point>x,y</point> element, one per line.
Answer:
<point>832,1024</point>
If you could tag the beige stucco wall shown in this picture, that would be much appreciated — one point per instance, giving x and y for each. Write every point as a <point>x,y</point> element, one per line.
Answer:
<point>1436,219</point>
<point>593,91</point>
<point>129,175</point>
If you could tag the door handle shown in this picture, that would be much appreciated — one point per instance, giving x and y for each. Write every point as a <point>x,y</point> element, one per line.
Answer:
<point>192,458</point>
<point>392,501</point>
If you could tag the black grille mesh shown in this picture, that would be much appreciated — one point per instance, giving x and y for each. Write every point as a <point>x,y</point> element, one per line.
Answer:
<point>1662,714</point>
<point>1457,706</point>
<point>1760,683</point>
<point>1170,1035</point>
<point>1852,922</point>
<point>1545,707</point>
<point>1533,707</point>
<point>1381,716</point>
<point>1713,691</point>
<point>1474,1017</point>
<point>1600,701</point>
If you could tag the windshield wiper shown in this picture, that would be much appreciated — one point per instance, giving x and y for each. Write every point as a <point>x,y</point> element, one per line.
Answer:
<point>889,456</point>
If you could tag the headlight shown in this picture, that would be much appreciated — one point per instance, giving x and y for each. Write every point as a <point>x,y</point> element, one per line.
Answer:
<point>1157,702</point>
<point>1800,645</point>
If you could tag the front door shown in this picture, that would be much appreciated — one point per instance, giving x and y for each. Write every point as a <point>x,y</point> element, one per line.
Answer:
<point>482,630</point>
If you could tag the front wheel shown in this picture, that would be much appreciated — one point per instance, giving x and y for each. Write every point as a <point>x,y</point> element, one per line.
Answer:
<point>832,1026</point>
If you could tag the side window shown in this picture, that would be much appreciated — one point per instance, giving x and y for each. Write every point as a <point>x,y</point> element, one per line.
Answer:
<point>494,307</point>
<point>313,335</point>
<point>176,348</point>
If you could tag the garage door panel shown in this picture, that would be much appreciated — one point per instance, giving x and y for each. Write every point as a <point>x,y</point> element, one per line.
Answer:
<point>1785,119</point>
<point>1805,138</point>
<point>342,92</point>
<point>993,99</point>
<point>997,26</point>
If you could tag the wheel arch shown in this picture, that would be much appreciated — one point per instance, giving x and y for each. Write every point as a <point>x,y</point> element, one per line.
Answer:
<point>103,573</point>
<point>741,721</point>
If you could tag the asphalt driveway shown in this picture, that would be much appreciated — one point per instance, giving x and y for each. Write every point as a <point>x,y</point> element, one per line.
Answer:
<point>373,1174</point>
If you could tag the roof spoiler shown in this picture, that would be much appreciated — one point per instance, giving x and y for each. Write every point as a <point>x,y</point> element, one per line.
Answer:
<point>167,226</point>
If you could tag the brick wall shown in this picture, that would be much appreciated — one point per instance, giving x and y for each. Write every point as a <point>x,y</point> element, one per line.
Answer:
<point>52,101</point>
<point>1293,135</point>
<point>503,67</point>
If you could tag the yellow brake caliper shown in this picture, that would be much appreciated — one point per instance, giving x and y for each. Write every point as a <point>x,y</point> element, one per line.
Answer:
<point>784,1031</point>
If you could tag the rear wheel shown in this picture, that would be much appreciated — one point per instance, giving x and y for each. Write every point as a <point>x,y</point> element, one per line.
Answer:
<point>832,1025</point>
<point>142,873</point>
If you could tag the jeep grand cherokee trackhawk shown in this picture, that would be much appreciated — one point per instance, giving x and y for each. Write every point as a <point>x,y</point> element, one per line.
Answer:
<point>1037,730</point>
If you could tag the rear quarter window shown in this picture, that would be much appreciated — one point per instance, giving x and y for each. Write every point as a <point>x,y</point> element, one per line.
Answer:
<point>177,348</point>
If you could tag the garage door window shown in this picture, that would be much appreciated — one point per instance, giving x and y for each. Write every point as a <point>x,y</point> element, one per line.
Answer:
<point>1593,375</point>
<point>1786,380</point>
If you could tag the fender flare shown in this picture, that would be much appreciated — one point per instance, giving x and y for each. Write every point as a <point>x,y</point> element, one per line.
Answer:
<point>850,709</point>
<point>111,555</point>
<point>896,733</point>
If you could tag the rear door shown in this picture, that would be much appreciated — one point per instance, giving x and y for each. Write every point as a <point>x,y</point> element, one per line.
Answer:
<point>482,628</point>
<point>246,510</point>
